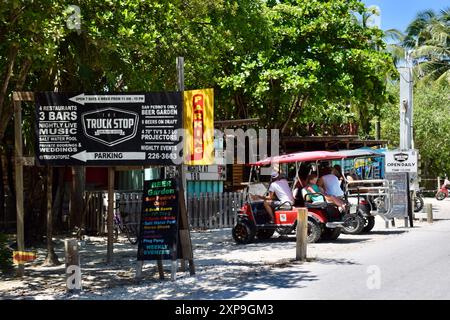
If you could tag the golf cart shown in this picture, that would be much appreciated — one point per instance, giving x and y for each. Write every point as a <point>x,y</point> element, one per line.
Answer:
<point>369,189</point>
<point>324,219</point>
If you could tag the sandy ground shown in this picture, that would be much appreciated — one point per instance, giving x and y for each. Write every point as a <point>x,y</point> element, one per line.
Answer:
<point>224,270</point>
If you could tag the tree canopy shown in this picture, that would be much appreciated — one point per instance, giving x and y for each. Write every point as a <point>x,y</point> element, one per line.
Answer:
<point>289,63</point>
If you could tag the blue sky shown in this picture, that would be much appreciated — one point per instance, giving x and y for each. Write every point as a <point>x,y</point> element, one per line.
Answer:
<point>398,13</point>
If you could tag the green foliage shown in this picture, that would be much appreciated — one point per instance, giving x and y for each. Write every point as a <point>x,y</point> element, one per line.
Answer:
<point>5,255</point>
<point>428,36</point>
<point>431,127</point>
<point>320,59</point>
<point>289,63</point>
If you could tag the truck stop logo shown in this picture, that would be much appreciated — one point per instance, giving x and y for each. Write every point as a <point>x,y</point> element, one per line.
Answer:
<point>401,157</point>
<point>110,126</point>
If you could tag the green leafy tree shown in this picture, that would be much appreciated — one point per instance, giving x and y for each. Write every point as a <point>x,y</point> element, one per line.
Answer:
<point>318,57</point>
<point>430,129</point>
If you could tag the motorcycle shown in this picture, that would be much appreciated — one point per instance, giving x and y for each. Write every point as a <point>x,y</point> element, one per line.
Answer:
<point>443,192</point>
<point>418,201</point>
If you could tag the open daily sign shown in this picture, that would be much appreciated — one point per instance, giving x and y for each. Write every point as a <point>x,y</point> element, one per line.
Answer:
<point>401,161</point>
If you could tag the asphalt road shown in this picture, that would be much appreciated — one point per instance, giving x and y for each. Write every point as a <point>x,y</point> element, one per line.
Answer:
<point>413,265</point>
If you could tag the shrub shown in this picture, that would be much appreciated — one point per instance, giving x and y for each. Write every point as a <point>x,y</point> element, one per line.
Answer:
<point>5,254</point>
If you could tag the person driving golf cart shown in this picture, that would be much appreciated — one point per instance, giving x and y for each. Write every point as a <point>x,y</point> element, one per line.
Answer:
<point>280,195</point>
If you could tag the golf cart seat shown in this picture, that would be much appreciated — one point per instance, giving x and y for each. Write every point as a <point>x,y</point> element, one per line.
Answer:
<point>284,206</point>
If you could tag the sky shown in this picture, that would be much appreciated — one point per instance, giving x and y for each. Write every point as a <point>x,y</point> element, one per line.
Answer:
<point>397,14</point>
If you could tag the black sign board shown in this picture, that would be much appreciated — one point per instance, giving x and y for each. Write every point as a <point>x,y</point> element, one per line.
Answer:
<point>107,129</point>
<point>158,235</point>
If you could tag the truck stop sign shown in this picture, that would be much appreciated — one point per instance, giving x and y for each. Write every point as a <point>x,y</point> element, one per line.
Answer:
<point>107,129</point>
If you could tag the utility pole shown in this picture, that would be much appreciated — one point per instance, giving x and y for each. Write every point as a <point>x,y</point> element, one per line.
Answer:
<point>406,105</point>
<point>406,120</point>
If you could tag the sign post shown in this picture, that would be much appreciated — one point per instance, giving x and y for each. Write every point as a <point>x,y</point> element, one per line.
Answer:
<point>399,165</point>
<point>184,233</point>
<point>110,219</point>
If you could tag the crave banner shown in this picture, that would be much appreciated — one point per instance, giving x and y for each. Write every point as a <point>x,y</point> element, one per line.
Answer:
<point>199,126</point>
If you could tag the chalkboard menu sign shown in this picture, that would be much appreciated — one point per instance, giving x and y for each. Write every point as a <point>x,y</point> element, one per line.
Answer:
<point>159,220</point>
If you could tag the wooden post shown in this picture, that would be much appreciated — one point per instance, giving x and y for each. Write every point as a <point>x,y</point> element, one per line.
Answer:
<point>52,258</point>
<point>160,269</point>
<point>302,234</point>
<point>185,236</point>
<point>438,183</point>
<point>73,270</point>
<point>110,221</point>
<point>19,179</point>
<point>139,266</point>
<point>429,213</point>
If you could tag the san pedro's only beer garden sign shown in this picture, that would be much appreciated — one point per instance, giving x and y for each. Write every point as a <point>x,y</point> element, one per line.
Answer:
<point>107,129</point>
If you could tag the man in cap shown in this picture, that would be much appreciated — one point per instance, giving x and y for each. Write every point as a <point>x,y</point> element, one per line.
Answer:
<point>279,194</point>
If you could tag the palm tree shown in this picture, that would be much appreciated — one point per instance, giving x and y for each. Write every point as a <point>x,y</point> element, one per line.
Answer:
<point>429,38</point>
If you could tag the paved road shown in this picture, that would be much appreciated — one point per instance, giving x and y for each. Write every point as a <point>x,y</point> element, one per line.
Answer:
<point>414,265</point>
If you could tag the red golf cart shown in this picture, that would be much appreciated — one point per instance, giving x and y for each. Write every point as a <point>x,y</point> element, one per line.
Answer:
<point>324,219</point>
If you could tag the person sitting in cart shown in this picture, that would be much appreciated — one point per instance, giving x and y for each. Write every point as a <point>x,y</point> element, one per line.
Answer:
<point>280,194</point>
<point>331,183</point>
<point>310,192</point>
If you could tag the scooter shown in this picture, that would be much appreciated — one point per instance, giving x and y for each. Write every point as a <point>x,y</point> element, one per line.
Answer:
<point>443,192</point>
<point>418,201</point>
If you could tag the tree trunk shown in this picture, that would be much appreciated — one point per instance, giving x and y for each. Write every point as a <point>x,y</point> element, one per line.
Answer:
<point>7,113</point>
<point>8,73</point>
<point>52,258</point>
<point>59,199</point>
<point>2,195</point>
<point>297,105</point>
<point>76,199</point>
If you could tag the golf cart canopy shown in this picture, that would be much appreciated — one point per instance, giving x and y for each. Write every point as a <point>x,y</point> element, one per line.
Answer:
<point>301,157</point>
<point>359,153</point>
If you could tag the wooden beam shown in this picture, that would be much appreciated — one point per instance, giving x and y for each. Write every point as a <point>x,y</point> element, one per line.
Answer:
<point>19,181</point>
<point>236,122</point>
<point>110,220</point>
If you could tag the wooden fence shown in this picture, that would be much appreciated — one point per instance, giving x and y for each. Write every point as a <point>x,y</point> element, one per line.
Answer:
<point>127,204</point>
<point>214,210</point>
<point>205,210</point>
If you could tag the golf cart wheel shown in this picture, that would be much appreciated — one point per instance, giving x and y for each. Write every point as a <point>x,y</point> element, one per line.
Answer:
<point>263,234</point>
<point>440,195</point>
<point>314,231</point>
<point>369,223</point>
<point>353,224</point>
<point>418,203</point>
<point>331,234</point>
<point>243,232</point>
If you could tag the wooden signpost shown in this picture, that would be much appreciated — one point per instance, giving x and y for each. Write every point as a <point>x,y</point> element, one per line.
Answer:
<point>89,130</point>
<point>18,97</point>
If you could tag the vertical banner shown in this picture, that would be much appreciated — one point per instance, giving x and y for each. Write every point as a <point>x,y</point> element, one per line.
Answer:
<point>199,127</point>
<point>158,236</point>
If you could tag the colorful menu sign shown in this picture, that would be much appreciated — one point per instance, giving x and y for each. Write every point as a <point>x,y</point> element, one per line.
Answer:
<point>159,220</point>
